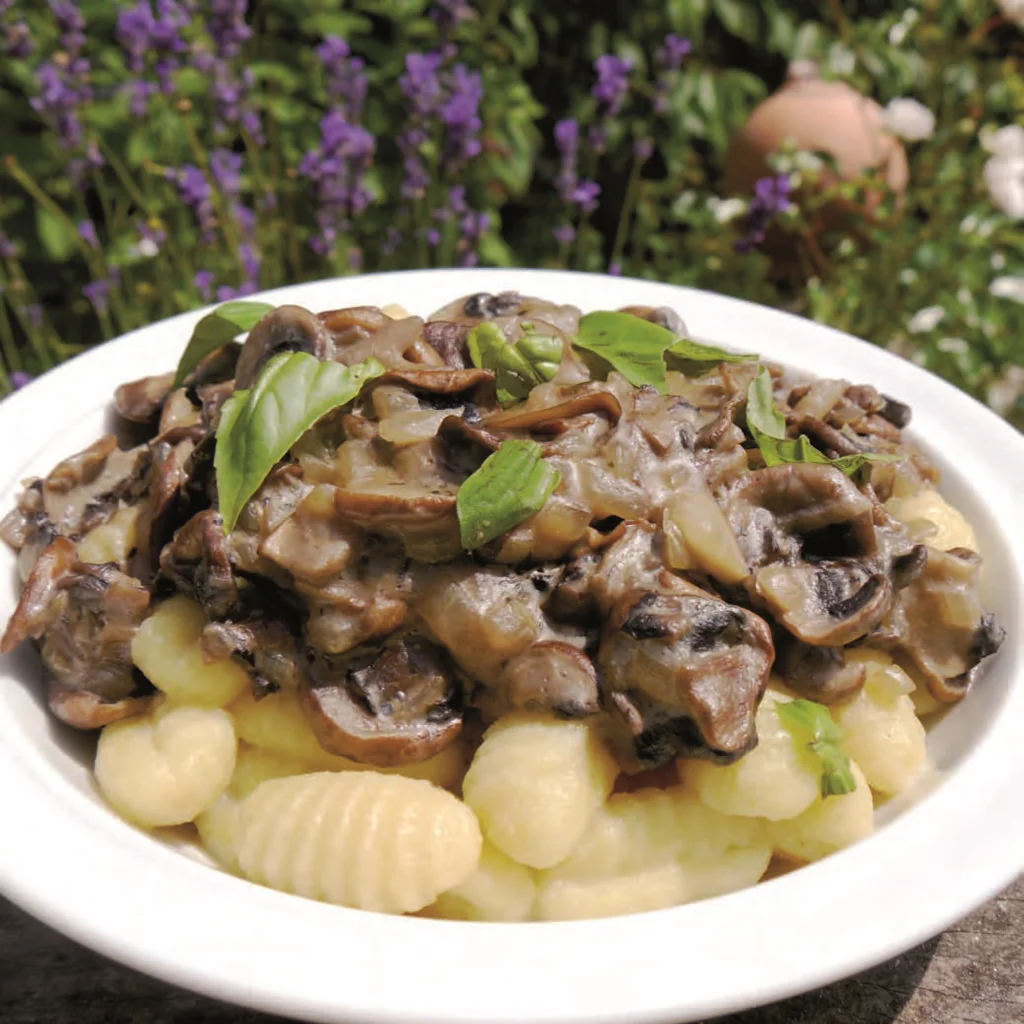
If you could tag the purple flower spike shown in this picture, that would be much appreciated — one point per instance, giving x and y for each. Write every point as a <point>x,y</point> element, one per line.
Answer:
<point>194,190</point>
<point>227,27</point>
<point>204,283</point>
<point>98,293</point>
<point>771,197</point>
<point>612,83</point>
<point>35,316</point>
<point>7,249</point>
<point>585,194</point>
<point>71,25</point>
<point>392,240</point>
<point>460,114</point>
<point>565,234</point>
<point>669,57</point>
<point>615,269</point>
<point>345,75</point>
<point>420,84</point>
<point>87,232</point>
<point>20,43</point>
<point>19,379</point>
<point>226,171</point>
<point>643,148</point>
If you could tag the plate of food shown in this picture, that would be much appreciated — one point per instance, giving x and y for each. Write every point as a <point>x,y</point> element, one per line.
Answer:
<point>400,647</point>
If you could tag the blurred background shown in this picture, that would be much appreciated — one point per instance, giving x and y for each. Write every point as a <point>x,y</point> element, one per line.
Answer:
<point>860,163</point>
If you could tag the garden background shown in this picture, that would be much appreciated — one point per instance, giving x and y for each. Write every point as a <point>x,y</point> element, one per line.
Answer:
<point>161,155</point>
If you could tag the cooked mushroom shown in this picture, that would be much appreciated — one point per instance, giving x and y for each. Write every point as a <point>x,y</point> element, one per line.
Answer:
<point>37,607</point>
<point>83,490</point>
<point>285,329</point>
<point>266,646</point>
<point>826,604</point>
<point>388,706</point>
<point>685,671</point>
<point>196,561</point>
<point>449,341</point>
<point>938,622</point>
<point>551,676</point>
<point>441,380</point>
<point>587,398</point>
<point>818,673</point>
<point>663,316</point>
<point>140,401</point>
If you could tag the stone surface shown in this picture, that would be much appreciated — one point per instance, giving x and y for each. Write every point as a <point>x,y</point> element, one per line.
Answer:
<point>972,974</point>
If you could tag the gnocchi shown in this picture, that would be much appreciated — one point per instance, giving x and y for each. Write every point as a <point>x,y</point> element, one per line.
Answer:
<point>948,526</point>
<point>654,888</point>
<point>166,649</point>
<point>166,767</point>
<point>357,839</point>
<point>535,783</point>
<point>498,890</point>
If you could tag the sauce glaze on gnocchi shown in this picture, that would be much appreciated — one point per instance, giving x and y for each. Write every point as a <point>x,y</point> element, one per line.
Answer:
<point>690,638</point>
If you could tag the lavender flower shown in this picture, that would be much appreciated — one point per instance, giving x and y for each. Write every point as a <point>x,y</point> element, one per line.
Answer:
<point>71,25</point>
<point>771,196</point>
<point>63,89</point>
<point>433,237</point>
<point>79,166</point>
<point>449,14</point>
<point>643,148</point>
<point>226,171</point>
<point>7,249</point>
<point>204,284</point>
<point>231,104</point>
<point>195,193</point>
<point>250,258</point>
<point>20,43</point>
<point>565,234</point>
<point>473,226</point>
<point>460,115</point>
<point>227,27</point>
<point>669,59</point>
<point>337,169</point>
<point>585,194</point>
<point>420,83</point>
<point>34,313</point>
<point>612,83</point>
<point>147,37</point>
<point>392,240</point>
<point>345,76</point>
<point>615,269</point>
<point>87,232</point>
<point>19,379</point>
<point>98,293</point>
<point>567,137</point>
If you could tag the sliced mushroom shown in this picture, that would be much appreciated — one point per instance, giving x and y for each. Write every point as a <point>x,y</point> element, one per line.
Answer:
<point>352,324</point>
<point>685,672</point>
<point>439,380</point>
<point>266,646</point>
<point>818,673</point>
<point>38,606</point>
<point>449,341</point>
<point>196,561</point>
<point>83,490</point>
<point>583,399</point>
<point>939,623</point>
<point>84,710</point>
<point>285,329</point>
<point>140,401</point>
<point>826,604</point>
<point>27,528</point>
<point>424,520</point>
<point>388,706</point>
<point>552,676</point>
<point>167,481</point>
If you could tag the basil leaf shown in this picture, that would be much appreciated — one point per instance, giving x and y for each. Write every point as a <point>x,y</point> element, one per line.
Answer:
<point>514,376</point>
<point>635,347</point>
<point>763,417</point>
<point>513,483</point>
<point>810,723</point>
<point>694,351</point>
<point>544,353</point>
<point>215,330</point>
<point>257,427</point>
<point>768,429</point>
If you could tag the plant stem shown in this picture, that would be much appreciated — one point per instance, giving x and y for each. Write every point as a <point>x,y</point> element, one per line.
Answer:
<point>626,211</point>
<point>43,199</point>
<point>12,357</point>
<point>12,278</point>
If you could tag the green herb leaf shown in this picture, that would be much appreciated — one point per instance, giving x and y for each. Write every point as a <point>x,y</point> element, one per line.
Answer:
<point>512,484</point>
<point>519,367</point>
<point>258,426</point>
<point>634,346</point>
<point>694,351</point>
<point>810,723</point>
<point>215,330</point>
<point>768,428</point>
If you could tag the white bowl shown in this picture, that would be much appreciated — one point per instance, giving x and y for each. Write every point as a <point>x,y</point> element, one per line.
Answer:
<point>160,908</point>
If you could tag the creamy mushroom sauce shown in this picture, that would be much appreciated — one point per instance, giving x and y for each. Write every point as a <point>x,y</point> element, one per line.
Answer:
<point>653,593</point>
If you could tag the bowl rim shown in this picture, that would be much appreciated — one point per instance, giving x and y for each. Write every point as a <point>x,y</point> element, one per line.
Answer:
<point>222,936</point>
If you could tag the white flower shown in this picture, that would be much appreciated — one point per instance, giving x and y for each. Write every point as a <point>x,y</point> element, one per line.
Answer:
<point>144,247</point>
<point>1004,392</point>
<point>1004,179</point>
<point>1013,10</point>
<point>841,59</point>
<point>1005,142</point>
<point>997,261</point>
<point>1008,287</point>
<point>964,296</point>
<point>909,119</point>
<point>969,224</point>
<point>805,160</point>
<point>897,33</point>
<point>956,346</point>
<point>926,319</point>
<point>726,210</point>
<point>908,275</point>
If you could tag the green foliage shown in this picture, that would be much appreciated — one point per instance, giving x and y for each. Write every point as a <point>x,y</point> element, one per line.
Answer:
<point>868,270</point>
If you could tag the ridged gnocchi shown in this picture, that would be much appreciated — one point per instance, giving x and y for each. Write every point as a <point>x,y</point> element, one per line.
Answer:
<point>357,839</point>
<point>166,767</point>
<point>775,780</point>
<point>166,649</point>
<point>535,783</point>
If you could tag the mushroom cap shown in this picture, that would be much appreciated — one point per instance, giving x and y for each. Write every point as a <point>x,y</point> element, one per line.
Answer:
<point>552,676</point>
<point>284,329</point>
<point>388,706</point>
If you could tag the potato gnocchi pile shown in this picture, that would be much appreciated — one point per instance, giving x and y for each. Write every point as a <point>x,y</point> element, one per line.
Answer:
<point>539,832</point>
<point>515,613</point>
